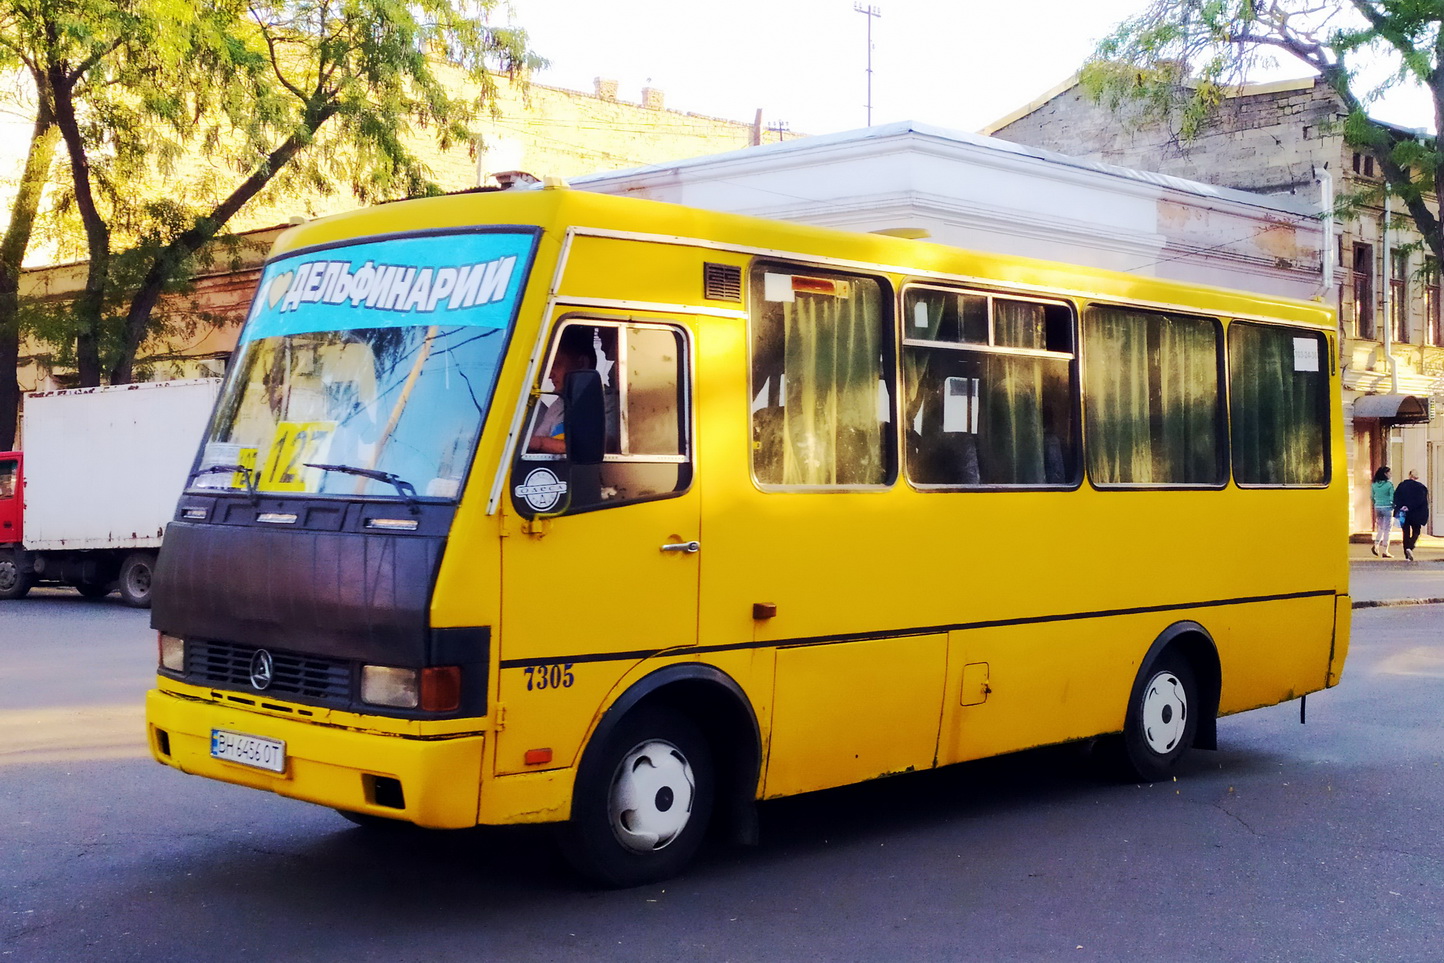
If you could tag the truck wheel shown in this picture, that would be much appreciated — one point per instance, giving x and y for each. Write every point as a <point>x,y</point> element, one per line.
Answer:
<point>14,582</point>
<point>134,582</point>
<point>1161,721</point>
<point>642,802</point>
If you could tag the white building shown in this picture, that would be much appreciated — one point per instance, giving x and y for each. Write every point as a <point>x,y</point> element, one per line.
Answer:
<point>986,194</point>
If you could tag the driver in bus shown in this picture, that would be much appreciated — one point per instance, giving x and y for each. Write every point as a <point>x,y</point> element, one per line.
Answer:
<point>549,433</point>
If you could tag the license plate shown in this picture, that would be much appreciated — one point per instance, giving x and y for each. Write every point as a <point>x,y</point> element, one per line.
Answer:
<point>254,751</point>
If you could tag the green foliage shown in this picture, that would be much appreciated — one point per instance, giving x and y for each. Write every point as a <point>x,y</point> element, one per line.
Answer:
<point>1176,60</point>
<point>267,98</point>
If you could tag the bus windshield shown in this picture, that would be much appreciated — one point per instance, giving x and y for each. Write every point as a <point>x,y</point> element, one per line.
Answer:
<point>367,369</point>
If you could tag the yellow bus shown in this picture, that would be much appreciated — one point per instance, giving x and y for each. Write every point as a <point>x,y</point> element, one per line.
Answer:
<point>550,507</point>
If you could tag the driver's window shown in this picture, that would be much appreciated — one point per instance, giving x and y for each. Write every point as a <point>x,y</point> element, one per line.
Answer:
<point>8,469</point>
<point>644,373</point>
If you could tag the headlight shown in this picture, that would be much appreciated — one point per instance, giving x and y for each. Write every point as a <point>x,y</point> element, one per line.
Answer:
<point>387,686</point>
<point>172,652</point>
<point>434,689</point>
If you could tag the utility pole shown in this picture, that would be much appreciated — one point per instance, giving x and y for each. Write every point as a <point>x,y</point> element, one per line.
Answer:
<point>871,13</point>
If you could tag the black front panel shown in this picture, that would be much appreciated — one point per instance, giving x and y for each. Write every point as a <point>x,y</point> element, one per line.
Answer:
<point>227,665</point>
<point>341,594</point>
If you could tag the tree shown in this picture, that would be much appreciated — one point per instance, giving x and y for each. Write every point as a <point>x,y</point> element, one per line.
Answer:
<point>118,78</point>
<point>13,245</point>
<point>1214,44</point>
<point>365,70</point>
<point>272,95</point>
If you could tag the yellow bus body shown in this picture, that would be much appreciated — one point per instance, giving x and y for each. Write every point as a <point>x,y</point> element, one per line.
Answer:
<point>912,628</point>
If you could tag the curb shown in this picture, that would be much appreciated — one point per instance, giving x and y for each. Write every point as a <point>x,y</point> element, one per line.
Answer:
<point>1380,603</point>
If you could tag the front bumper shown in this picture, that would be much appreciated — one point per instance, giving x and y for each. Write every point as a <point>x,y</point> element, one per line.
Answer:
<point>432,780</point>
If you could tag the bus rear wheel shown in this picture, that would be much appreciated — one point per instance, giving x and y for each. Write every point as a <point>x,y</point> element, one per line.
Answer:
<point>1162,718</point>
<point>642,801</point>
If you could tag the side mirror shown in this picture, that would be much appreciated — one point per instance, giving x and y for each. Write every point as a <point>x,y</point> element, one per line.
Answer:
<point>586,417</point>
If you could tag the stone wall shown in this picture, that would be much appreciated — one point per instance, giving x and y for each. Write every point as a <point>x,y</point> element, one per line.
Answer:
<point>1265,139</point>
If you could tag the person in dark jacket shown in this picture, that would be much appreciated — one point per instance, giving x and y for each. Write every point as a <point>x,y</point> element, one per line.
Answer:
<point>1411,502</point>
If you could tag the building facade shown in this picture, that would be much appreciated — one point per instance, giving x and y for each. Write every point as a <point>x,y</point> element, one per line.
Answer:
<point>1286,139</point>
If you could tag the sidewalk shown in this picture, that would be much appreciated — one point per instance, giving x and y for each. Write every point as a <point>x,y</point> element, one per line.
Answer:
<point>1396,581</point>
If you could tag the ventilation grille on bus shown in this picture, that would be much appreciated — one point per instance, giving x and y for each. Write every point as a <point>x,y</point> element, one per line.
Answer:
<point>722,282</point>
<point>229,666</point>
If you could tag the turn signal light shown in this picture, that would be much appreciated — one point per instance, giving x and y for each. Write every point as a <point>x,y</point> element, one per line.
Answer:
<point>441,688</point>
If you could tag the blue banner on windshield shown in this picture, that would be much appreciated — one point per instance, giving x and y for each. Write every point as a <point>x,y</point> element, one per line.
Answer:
<point>455,279</point>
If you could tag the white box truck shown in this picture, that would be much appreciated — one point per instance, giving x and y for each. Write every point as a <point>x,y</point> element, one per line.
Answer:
<point>86,500</point>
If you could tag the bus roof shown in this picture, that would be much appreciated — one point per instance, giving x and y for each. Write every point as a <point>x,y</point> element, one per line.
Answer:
<point>555,209</point>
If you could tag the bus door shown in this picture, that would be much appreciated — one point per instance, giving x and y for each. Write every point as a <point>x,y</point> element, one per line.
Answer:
<point>802,535</point>
<point>600,563</point>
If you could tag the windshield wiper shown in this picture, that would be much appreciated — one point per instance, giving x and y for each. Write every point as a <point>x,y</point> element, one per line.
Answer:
<point>249,474</point>
<point>403,487</point>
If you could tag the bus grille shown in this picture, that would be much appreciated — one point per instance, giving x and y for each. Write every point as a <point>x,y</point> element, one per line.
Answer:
<point>229,666</point>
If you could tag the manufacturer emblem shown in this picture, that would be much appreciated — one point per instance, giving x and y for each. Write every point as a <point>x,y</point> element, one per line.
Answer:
<point>541,490</point>
<point>263,669</point>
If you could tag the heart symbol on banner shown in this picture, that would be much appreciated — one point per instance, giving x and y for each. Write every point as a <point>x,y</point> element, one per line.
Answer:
<point>279,286</point>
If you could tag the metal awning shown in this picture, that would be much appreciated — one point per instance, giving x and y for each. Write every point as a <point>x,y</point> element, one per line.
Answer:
<point>1398,409</point>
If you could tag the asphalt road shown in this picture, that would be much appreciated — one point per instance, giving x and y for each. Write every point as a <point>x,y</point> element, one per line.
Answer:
<point>1316,842</point>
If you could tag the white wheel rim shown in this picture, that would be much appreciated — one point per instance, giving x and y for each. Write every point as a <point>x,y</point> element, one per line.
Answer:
<point>1165,712</point>
<point>651,798</point>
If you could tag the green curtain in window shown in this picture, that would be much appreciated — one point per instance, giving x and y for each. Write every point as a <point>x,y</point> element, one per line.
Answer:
<point>832,359</point>
<point>1012,413</point>
<point>1278,414</point>
<point>1153,398</point>
<point>1011,442</point>
<point>1019,324</point>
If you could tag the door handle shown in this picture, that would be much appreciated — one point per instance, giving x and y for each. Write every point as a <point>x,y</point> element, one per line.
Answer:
<point>691,548</point>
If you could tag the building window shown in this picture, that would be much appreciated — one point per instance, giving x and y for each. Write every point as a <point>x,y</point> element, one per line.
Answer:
<point>1363,164</point>
<point>1432,333</point>
<point>1364,291</point>
<point>1398,296</point>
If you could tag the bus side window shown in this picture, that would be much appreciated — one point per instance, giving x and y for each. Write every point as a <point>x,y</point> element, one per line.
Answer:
<point>988,390</point>
<point>822,386</point>
<point>1154,408</point>
<point>1279,394</point>
<point>644,371</point>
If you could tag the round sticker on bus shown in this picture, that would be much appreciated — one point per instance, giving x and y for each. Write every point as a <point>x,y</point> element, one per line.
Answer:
<point>541,490</point>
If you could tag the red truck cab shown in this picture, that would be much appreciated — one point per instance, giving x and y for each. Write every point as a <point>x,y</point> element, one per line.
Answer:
<point>12,519</point>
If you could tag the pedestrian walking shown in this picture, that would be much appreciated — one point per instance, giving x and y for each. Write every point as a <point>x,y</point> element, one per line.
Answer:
<point>1383,494</point>
<point>1411,503</point>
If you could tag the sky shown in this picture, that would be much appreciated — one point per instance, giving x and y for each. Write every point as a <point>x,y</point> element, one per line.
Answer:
<point>955,63</point>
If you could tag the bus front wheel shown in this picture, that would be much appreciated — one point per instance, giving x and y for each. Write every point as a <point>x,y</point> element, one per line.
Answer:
<point>642,802</point>
<point>1162,717</point>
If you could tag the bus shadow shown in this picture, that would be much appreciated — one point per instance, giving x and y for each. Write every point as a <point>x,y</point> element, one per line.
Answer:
<point>1033,783</point>
<point>407,872</point>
